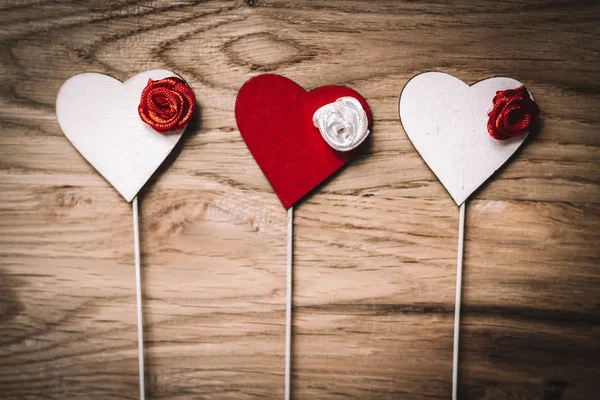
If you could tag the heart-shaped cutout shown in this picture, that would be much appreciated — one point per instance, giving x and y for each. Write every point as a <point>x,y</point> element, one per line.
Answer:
<point>446,120</point>
<point>275,118</point>
<point>99,116</point>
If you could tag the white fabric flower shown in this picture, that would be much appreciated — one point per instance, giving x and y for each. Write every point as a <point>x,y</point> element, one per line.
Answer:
<point>343,123</point>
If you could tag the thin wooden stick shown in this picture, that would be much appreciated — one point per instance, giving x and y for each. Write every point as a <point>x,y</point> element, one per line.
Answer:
<point>459,262</point>
<point>138,293</point>
<point>288,302</point>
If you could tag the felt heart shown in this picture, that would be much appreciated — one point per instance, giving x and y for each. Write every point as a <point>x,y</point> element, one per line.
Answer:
<point>446,120</point>
<point>275,118</point>
<point>99,115</point>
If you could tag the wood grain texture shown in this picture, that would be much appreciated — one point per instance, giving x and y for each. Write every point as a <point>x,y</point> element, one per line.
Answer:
<point>375,247</point>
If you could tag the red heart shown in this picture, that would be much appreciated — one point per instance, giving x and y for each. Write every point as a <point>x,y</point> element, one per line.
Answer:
<point>274,115</point>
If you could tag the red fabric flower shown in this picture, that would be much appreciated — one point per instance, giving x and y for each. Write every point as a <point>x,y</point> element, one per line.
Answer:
<point>514,114</point>
<point>167,104</point>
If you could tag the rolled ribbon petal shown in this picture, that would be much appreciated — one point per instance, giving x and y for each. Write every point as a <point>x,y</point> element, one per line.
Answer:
<point>343,123</point>
<point>514,113</point>
<point>167,104</point>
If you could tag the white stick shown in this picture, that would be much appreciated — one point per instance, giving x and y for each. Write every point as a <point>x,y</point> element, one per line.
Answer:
<point>138,293</point>
<point>288,302</point>
<point>459,262</point>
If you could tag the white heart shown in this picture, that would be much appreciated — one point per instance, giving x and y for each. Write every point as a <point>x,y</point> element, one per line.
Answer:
<point>446,120</point>
<point>99,115</point>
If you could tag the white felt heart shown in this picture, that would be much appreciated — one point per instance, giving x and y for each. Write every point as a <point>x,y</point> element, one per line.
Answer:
<point>99,115</point>
<point>446,120</point>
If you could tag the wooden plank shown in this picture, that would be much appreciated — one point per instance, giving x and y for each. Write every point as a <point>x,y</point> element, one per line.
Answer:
<point>375,246</point>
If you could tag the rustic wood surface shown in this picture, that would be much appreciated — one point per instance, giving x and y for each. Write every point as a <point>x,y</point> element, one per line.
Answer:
<point>375,247</point>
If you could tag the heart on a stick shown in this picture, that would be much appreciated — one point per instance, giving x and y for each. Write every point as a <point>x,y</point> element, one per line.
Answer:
<point>446,120</point>
<point>99,116</point>
<point>275,118</point>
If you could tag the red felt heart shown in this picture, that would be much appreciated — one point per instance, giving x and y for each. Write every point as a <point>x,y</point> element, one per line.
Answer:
<point>274,115</point>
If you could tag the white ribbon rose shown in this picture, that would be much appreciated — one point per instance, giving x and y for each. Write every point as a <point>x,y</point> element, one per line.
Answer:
<point>343,123</point>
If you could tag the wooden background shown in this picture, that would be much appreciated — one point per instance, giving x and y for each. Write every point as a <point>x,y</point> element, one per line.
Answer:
<point>375,247</point>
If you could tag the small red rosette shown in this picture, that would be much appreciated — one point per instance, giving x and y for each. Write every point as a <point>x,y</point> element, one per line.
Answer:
<point>514,114</point>
<point>167,104</point>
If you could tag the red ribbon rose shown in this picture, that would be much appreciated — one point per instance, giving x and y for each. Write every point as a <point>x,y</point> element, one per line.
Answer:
<point>167,104</point>
<point>514,114</point>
